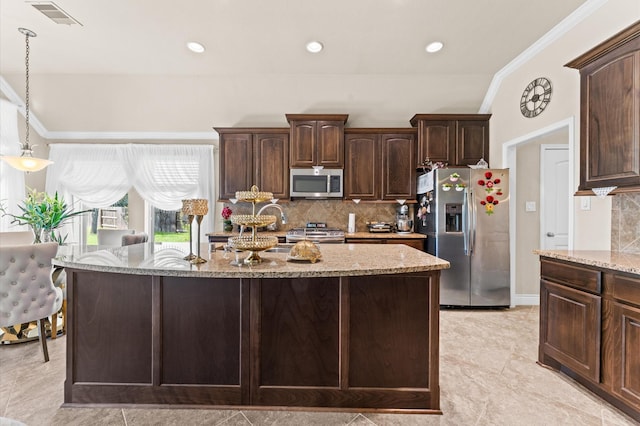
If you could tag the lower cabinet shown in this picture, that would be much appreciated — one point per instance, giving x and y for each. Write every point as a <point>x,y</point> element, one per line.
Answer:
<point>570,328</point>
<point>590,329</point>
<point>411,242</point>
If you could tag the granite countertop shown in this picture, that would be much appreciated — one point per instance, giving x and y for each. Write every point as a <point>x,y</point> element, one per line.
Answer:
<point>224,234</point>
<point>167,260</point>
<point>384,235</point>
<point>617,261</point>
<point>357,235</point>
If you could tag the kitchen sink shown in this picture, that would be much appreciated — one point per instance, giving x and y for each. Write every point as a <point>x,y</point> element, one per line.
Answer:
<point>280,248</point>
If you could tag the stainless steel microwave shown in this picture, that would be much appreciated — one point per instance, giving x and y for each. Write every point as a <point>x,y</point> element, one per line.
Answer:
<point>316,183</point>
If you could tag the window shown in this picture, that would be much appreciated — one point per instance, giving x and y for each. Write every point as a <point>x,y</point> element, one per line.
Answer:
<point>98,175</point>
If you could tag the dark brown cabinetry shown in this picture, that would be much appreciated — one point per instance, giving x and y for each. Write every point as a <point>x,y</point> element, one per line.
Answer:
<point>570,322</point>
<point>254,156</point>
<point>379,164</point>
<point>411,242</point>
<point>347,343</point>
<point>456,139</point>
<point>317,140</point>
<point>590,329</point>
<point>609,117</point>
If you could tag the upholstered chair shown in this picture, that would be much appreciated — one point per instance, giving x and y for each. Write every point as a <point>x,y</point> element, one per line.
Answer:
<point>112,237</point>
<point>27,292</point>
<point>15,238</point>
<point>140,237</point>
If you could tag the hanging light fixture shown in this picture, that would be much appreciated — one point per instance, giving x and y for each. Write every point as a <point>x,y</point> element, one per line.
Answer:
<point>26,161</point>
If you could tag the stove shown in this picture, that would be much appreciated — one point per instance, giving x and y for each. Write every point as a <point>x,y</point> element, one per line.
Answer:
<point>315,234</point>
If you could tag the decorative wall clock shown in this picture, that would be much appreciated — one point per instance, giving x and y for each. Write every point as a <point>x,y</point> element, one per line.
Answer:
<point>536,97</point>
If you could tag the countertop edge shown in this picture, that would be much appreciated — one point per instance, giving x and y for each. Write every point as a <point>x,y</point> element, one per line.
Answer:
<point>616,261</point>
<point>247,272</point>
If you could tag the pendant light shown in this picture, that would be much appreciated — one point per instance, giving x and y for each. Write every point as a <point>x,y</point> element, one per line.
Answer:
<point>26,161</point>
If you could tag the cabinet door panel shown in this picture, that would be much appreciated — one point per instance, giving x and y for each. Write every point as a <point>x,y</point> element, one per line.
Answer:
<point>398,167</point>
<point>626,357</point>
<point>570,328</point>
<point>330,144</point>
<point>612,142</point>
<point>436,140</point>
<point>303,142</point>
<point>472,142</point>
<point>272,163</point>
<point>236,164</point>
<point>362,167</point>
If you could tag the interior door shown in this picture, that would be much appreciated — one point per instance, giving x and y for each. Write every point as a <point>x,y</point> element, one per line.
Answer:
<point>554,197</point>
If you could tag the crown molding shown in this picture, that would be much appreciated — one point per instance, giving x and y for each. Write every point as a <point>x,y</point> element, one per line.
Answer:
<point>551,36</point>
<point>131,135</point>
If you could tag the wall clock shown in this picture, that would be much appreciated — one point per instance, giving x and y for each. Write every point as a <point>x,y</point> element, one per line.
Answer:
<point>536,97</point>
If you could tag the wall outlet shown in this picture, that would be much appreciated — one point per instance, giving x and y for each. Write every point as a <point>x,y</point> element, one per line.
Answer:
<point>585,203</point>
<point>530,206</point>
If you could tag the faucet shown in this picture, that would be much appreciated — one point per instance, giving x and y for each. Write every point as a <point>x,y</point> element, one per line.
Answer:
<point>283,218</point>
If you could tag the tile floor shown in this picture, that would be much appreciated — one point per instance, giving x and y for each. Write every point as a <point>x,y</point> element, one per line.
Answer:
<point>488,376</point>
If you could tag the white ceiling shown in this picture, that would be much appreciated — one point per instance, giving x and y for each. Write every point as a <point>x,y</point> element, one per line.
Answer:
<point>244,38</point>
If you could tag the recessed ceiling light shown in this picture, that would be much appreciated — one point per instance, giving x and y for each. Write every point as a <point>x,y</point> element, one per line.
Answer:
<point>434,46</point>
<point>194,46</point>
<point>314,46</point>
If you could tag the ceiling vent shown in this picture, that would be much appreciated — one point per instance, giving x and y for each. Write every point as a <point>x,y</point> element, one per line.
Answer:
<point>54,12</point>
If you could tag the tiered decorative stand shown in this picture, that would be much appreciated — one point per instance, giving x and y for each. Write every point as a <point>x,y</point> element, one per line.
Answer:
<point>253,243</point>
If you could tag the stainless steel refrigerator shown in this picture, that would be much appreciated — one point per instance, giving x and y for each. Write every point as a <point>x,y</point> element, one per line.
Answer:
<point>465,215</point>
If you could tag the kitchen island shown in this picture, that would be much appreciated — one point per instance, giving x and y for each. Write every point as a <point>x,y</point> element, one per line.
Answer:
<point>357,330</point>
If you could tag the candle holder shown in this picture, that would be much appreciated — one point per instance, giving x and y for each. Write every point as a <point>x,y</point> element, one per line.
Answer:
<point>187,209</point>
<point>200,208</point>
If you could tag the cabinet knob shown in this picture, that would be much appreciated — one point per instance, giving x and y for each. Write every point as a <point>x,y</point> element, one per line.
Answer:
<point>550,234</point>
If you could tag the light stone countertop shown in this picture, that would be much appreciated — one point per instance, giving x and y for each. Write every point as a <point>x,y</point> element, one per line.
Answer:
<point>384,235</point>
<point>356,235</point>
<point>167,260</point>
<point>617,261</point>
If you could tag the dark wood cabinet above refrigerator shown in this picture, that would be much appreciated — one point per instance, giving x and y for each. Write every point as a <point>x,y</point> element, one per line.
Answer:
<point>456,139</point>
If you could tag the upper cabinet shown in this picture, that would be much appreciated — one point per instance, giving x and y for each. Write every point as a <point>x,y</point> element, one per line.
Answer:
<point>610,112</point>
<point>456,139</point>
<point>317,140</point>
<point>379,164</point>
<point>254,156</point>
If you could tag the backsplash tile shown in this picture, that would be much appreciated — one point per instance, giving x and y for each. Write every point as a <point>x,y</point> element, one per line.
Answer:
<point>334,212</point>
<point>625,223</point>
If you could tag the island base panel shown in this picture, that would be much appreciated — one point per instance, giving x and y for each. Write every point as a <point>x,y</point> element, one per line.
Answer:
<point>348,343</point>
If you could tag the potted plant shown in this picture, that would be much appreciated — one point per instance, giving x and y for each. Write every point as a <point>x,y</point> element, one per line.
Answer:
<point>446,186</point>
<point>227,226</point>
<point>44,214</point>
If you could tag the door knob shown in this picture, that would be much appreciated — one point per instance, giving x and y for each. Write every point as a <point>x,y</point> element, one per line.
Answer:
<point>550,234</point>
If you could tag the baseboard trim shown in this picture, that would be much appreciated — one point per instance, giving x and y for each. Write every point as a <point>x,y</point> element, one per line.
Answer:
<point>526,300</point>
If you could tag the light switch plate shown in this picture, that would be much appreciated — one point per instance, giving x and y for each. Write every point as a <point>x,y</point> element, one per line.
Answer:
<point>585,203</point>
<point>530,206</point>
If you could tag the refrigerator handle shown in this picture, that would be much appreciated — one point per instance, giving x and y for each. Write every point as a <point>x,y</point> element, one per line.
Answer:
<point>473,210</point>
<point>466,225</point>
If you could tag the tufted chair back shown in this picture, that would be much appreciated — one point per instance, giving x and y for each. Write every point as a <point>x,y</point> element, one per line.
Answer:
<point>27,292</point>
<point>15,238</point>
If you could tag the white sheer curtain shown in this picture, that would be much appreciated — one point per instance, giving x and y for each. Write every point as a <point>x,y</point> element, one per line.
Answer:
<point>12,189</point>
<point>92,174</point>
<point>98,175</point>
<point>166,174</point>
